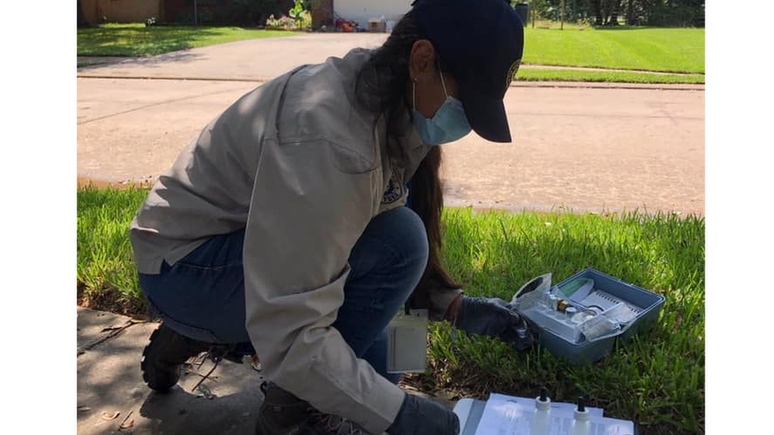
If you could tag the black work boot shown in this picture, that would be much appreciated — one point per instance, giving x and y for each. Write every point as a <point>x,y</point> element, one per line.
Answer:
<point>163,358</point>
<point>281,412</point>
<point>328,424</point>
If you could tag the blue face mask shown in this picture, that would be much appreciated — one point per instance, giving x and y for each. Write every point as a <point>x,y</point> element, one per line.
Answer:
<point>448,124</point>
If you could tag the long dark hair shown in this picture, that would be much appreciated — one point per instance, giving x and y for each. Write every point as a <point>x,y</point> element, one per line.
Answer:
<point>381,87</point>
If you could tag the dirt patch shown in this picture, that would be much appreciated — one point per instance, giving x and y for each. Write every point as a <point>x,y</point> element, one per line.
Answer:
<point>110,299</point>
<point>84,182</point>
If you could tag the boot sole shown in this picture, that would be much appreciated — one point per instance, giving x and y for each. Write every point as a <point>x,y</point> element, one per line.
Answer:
<point>160,385</point>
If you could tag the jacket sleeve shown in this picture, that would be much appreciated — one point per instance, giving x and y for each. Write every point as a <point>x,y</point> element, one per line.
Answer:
<point>311,201</point>
<point>441,298</point>
<point>433,295</point>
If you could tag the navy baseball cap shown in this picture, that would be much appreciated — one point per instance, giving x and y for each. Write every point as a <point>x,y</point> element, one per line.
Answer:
<point>481,42</point>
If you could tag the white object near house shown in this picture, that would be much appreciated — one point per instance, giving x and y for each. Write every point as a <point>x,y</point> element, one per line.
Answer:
<point>364,10</point>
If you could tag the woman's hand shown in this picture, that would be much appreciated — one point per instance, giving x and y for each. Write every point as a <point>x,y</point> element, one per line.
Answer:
<point>495,317</point>
<point>420,416</point>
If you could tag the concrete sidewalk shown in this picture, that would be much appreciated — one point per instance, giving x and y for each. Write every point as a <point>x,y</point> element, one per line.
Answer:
<point>109,382</point>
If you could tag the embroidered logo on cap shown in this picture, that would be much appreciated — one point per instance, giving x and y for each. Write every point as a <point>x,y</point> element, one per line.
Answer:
<point>512,72</point>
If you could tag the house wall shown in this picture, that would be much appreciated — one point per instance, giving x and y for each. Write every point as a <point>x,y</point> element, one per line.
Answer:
<point>363,10</point>
<point>121,11</point>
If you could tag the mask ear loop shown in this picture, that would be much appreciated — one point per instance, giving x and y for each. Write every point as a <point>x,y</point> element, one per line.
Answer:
<point>443,83</point>
<point>414,89</point>
<point>414,93</point>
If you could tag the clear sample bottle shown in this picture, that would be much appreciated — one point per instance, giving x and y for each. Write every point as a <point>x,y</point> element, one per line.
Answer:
<point>541,422</point>
<point>581,424</point>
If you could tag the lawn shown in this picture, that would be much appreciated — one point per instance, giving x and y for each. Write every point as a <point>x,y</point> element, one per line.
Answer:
<point>638,48</point>
<point>139,40</point>
<point>656,380</point>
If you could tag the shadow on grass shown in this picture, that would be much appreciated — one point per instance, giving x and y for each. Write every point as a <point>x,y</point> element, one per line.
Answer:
<point>141,41</point>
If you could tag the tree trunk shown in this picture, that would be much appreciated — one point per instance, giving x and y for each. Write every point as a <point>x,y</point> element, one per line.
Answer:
<point>630,14</point>
<point>81,17</point>
<point>615,10</point>
<point>596,6</point>
<point>607,9</point>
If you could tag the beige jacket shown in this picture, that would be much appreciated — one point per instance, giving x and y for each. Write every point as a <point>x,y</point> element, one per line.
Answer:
<point>301,166</point>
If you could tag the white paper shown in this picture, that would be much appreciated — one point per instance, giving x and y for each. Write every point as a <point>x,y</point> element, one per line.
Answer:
<point>509,415</point>
<point>504,416</point>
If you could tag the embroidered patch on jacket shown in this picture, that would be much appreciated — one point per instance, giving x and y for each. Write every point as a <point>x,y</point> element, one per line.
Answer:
<point>393,192</point>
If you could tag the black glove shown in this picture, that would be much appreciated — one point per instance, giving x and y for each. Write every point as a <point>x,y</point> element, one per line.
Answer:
<point>495,317</point>
<point>419,416</point>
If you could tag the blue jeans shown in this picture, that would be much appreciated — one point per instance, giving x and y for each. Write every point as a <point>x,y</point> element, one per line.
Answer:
<point>203,295</point>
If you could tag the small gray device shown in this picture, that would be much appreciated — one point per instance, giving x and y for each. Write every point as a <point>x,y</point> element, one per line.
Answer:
<point>407,342</point>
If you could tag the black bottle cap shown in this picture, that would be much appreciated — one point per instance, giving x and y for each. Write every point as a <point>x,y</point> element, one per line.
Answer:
<point>582,404</point>
<point>543,394</point>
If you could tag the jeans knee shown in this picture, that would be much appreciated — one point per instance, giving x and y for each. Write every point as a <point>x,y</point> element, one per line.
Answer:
<point>409,238</point>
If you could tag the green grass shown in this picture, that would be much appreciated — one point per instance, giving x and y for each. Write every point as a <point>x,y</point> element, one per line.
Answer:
<point>536,74</point>
<point>656,380</point>
<point>653,49</point>
<point>107,276</point>
<point>139,40</point>
<point>85,63</point>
